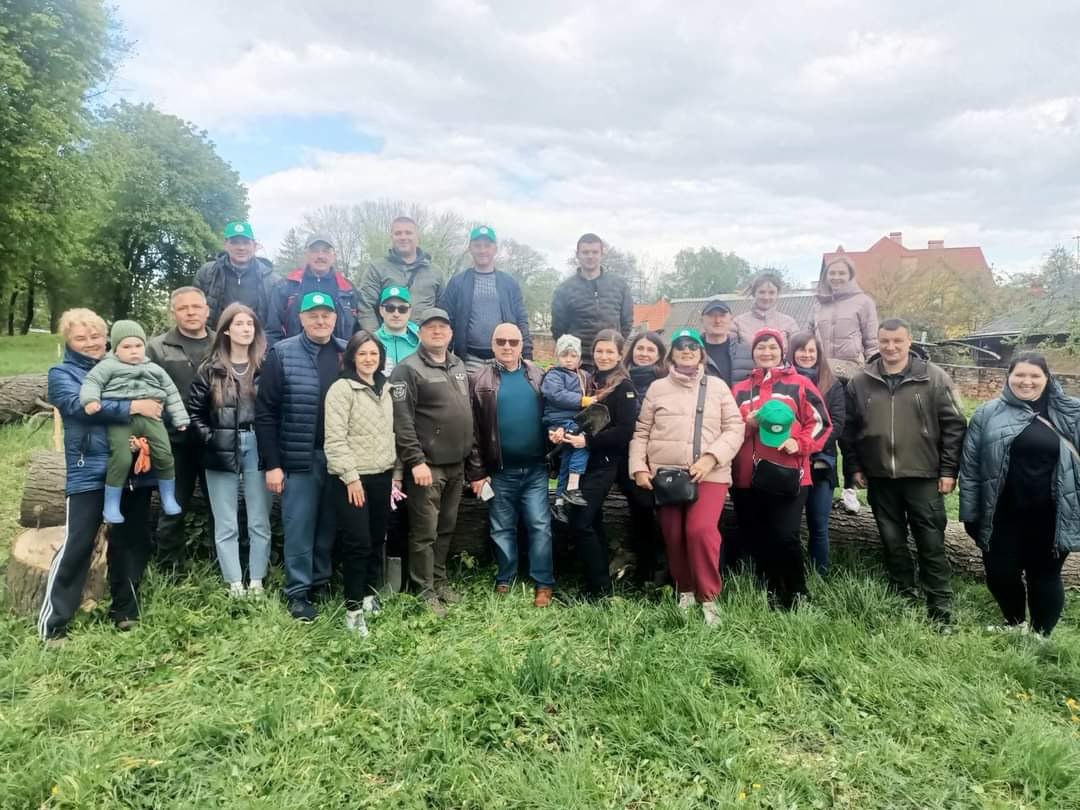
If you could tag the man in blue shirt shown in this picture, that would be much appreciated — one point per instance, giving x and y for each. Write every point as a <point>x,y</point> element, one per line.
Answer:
<point>508,455</point>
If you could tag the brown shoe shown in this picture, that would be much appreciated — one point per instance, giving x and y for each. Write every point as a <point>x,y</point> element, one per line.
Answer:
<point>542,598</point>
<point>501,588</point>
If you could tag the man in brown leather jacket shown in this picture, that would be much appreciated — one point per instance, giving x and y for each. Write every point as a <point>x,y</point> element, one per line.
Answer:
<point>508,457</point>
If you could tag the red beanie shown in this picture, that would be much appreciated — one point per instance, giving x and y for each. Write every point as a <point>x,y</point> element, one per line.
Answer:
<point>767,332</point>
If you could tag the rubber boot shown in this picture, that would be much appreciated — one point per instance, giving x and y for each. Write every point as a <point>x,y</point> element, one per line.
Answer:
<point>111,512</point>
<point>167,491</point>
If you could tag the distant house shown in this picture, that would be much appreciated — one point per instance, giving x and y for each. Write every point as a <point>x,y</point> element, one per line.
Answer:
<point>888,259</point>
<point>651,317</point>
<point>1051,319</point>
<point>687,311</point>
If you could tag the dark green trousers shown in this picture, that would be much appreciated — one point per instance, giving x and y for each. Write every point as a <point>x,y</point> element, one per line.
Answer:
<point>915,503</point>
<point>116,474</point>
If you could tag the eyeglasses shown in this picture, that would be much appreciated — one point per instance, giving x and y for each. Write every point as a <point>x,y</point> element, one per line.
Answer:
<point>514,342</point>
<point>401,309</point>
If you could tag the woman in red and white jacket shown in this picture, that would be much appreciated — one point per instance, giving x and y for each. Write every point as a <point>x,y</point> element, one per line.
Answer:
<point>787,421</point>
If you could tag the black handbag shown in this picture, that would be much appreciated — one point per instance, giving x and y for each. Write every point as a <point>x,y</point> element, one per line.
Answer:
<point>775,479</point>
<point>672,485</point>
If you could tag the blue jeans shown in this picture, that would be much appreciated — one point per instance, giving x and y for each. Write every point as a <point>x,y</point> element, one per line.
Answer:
<point>818,507</point>
<point>572,459</point>
<point>524,491</point>
<point>223,489</point>
<point>310,522</point>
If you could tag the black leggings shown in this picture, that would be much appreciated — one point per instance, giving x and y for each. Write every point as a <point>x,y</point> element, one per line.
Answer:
<point>363,531</point>
<point>1022,572</point>
<point>769,527</point>
<point>587,528</point>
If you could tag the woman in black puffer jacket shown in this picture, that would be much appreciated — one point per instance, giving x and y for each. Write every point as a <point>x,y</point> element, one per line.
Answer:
<point>222,406</point>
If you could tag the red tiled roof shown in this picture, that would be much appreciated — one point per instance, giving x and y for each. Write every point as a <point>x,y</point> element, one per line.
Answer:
<point>887,249</point>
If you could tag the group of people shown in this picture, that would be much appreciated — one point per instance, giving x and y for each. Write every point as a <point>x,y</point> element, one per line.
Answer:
<point>370,410</point>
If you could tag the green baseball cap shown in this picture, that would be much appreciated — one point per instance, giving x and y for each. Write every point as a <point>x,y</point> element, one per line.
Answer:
<point>693,334</point>
<point>395,292</point>
<point>239,228</point>
<point>774,423</point>
<point>482,232</point>
<point>316,300</point>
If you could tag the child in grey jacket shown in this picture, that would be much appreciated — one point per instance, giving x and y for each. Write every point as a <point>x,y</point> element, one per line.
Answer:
<point>125,373</point>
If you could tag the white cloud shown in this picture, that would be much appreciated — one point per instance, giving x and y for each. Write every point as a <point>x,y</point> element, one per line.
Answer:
<point>775,130</point>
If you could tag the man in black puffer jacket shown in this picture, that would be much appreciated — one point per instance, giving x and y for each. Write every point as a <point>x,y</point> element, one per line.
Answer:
<point>590,300</point>
<point>289,431</point>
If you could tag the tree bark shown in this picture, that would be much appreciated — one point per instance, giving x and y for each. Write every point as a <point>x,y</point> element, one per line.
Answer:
<point>11,313</point>
<point>32,553</point>
<point>22,396</point>
<point>28,319</point>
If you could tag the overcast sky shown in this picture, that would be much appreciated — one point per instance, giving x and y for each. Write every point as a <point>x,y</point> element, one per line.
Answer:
<point>776,131</point>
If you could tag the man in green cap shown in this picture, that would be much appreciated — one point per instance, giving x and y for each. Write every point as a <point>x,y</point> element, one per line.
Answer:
<point>293,383</point>
<point>481,298</point>
<point>399,335</point>
<point>237,274</point>
<point>405,265</point>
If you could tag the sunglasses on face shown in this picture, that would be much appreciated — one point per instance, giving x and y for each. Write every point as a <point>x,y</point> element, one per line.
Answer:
<point>683,345</point>
<point>401,309</point>
<point>514,342</point>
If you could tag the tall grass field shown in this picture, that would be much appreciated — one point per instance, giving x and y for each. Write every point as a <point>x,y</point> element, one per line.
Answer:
<point>853,701</point>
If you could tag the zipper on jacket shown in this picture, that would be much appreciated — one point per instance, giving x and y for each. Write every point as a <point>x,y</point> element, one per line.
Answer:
<point>892,431</point>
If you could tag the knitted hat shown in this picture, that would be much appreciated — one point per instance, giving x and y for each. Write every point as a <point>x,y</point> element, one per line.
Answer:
<point>125,329</point>
<point>767,332</point>
<point>567,343</point>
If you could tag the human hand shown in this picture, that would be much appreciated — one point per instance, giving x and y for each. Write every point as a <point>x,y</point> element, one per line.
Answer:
<point>556,436</point>
<point>702,467</point>
<point>91,408</point>
<point>790,446</point>
<point>396,494</point>
<point>421,475</point>
<point>150,408</point>
<point>577,440</point>
<point>751,419</point>
<point>275,480</point>
<point>946,485</point>
<point>476,486</point>
<point>642,479</point>
<point>355,491</point>
<point>860,480</point>
<point>182,428</point>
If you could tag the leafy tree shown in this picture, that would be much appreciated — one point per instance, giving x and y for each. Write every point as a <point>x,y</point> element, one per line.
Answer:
<point>704,272</point>
<point>291,253</point>
<point>537,278</point>
<point>167,195</point>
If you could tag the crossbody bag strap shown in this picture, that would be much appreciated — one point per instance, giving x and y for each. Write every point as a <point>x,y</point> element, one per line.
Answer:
<point>1062,436</point>
<point>699,415</point>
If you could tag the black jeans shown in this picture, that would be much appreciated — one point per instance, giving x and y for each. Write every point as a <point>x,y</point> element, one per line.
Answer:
<point>586,524</point>
<point>898,503</point>
<point>769,525</point>
<point>362,532</point>
<point>644,530</point>
<point>126,554</point>
<point>169,540</point>
<point>1021,566</point>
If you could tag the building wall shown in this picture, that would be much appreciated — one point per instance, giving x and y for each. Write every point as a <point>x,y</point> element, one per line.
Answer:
<point>982,383</point>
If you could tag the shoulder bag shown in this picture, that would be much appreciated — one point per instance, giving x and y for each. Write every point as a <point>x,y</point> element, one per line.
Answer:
<point>672,485</point>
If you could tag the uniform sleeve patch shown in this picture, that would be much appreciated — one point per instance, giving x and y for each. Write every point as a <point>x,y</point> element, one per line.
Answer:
<point>397,390</point>
<point>631,395</point>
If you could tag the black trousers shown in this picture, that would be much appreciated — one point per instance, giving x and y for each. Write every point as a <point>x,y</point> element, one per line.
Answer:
<point>126,556</point>
<point>769,527</point>
<point>586,526</point>
<point>898,503</point>
<point>1021,569</point>
<point>645,538</point>
<point>169,539</point>
<point>361,534</point>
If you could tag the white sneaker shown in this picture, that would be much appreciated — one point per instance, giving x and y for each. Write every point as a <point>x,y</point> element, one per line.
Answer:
<point>354,622</point>
<point>371,605</point>
<point>686,601</point>
<point>236,590</point>
<point>255,589</point>
<point>711,612</point>
<point>850,502</point>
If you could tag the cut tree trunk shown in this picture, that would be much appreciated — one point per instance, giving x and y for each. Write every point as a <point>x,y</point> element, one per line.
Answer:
<point>43,493</point>
<point>28,570</point>
<point>23,395</point>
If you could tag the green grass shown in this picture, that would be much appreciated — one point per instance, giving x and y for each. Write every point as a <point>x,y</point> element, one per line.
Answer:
<point>26,354</point>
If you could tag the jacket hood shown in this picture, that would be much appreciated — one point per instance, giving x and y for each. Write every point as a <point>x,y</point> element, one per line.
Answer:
<point>826,292</point>
<point>422,259</point>
<point>1058,399</point>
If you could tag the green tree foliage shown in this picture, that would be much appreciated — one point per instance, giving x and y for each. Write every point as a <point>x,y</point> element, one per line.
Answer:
<point>537,278</point>
<point>705,271</point>
<point>51,56</point>
<point>166,195</point>
<point>291,253</point>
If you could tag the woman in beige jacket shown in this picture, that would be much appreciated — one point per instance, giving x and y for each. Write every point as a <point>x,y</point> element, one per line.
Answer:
<point>664,437</point>
<point>358,426</point>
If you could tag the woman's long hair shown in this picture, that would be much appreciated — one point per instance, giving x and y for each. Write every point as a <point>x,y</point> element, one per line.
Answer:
<point>617,374</point>
<point>348,360</point>
<point>221,352</point>
<point>825,376</point>
<point>659,367</point>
